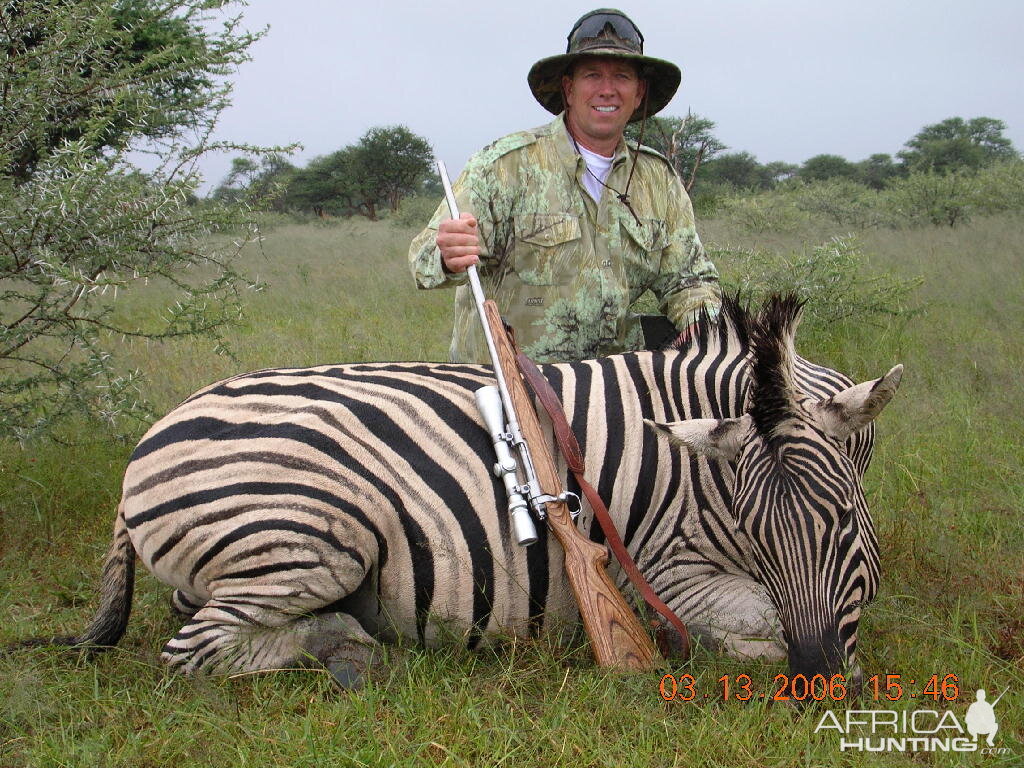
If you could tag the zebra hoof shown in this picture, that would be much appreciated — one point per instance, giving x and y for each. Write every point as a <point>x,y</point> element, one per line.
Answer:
<point>671,644</point>
<point>347,676</point>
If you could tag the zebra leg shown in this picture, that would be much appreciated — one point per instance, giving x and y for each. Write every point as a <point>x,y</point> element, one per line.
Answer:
<point>734,615</point>
<point>234,635</point>
<point>185,604</point>
<point>339,642</point>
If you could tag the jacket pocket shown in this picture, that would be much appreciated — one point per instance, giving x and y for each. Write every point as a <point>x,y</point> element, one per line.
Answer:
<point>547,247</point>
<point>648,235</point>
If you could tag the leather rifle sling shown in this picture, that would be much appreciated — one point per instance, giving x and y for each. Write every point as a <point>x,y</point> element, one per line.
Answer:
<point>617,637</point>
<point>574,457</point>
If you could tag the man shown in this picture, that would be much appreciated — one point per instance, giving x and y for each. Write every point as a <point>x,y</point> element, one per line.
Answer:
<point>981,718</point>
<point>569,224</point>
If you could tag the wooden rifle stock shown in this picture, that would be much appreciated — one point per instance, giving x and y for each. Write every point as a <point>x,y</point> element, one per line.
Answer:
<point>617,637</point>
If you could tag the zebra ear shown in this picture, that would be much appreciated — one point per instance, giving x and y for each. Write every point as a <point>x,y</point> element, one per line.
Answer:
<point>711,438</point>
<point>852,409</point>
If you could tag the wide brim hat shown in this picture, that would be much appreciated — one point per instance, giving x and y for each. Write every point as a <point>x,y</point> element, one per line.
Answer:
<point>605,32</point>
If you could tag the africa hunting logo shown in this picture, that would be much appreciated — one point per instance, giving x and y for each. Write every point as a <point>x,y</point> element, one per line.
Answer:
<point>919,730</point>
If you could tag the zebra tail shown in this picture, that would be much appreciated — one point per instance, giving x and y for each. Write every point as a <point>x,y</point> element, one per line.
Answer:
<point>111,618</point>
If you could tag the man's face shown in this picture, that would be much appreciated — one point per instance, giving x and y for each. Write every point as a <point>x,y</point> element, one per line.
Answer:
<point>600,96</point>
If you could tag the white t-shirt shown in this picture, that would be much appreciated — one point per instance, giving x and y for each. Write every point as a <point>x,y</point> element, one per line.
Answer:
<point>599,166</point>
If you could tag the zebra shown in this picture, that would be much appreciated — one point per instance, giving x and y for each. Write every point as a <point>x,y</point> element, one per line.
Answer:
<point>307,515</point>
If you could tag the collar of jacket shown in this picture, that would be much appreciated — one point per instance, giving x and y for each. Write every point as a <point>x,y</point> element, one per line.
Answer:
<point>571,159</point>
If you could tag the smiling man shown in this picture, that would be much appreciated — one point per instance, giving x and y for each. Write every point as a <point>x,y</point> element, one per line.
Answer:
<point>569,224</point>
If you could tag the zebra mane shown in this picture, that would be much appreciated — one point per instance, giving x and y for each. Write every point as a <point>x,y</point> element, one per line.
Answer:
<point>734,318</point>
<point>773,391</point>
<point>767,333</point>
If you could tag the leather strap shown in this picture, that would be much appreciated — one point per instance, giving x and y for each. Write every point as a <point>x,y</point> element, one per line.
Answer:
<point>574,457</point>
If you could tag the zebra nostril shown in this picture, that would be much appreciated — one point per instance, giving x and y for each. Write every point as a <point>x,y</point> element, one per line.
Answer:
<point>818,658</point>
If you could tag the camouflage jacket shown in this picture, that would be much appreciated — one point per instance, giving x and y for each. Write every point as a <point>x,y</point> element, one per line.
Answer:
<point>562,268</point>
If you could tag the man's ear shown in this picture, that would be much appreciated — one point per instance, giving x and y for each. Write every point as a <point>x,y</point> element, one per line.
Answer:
<point>712,438</point>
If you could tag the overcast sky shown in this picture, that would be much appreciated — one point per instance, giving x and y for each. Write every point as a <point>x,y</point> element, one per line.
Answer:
<point>784,80</point>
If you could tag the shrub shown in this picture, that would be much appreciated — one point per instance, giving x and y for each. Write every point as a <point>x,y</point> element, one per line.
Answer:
<point>842,201</point>
<point>928,197</point>
<point>834,278</point>
<point>766,212</point>
<point>708,198</point>
<point>1000,188</point>
<point>85,83</point>
<point>923,198</point>
<point>415,211</point>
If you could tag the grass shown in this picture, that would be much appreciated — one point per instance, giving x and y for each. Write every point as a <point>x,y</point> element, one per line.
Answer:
<point>946,488</point>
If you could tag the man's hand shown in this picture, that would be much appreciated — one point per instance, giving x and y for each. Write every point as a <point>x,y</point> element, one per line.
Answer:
<point>459,243</point>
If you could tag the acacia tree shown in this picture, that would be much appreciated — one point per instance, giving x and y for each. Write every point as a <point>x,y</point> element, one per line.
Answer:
<point>824,167</point>
<point>87,83</point>
<point>957,144</point>
<point>244,171</point>
<point>122,51</point>
<point>316,187</point>
<point>336,184</point>
<point>356,190</point>
<point>687,142</point>
<point>778,171</point>
<point>260,182</point>
<point>385,166</point>
<point>739,170</point>
<point>877,170</point>
<point>391,161</point>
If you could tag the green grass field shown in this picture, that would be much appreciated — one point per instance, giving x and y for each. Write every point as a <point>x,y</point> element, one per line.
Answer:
<point>946,488</point>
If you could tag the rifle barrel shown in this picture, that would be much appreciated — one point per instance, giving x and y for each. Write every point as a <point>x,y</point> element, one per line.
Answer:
<point>617,637</point>
<point>474,277</point>
<point>513,428</point>
<point>506,400</point>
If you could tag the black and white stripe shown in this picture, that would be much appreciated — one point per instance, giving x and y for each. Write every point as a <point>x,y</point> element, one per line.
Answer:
<point>316,511</point>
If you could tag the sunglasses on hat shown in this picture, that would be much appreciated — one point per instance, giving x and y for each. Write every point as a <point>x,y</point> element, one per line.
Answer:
<point>595,30</point>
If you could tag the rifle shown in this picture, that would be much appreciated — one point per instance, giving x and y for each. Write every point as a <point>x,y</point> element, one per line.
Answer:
<point>617,637</point>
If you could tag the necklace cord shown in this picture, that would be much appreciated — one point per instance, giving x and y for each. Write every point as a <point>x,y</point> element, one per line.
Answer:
<point>622,197</point>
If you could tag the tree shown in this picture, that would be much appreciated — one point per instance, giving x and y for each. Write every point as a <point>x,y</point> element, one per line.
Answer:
<point>233,187</point>
<point>824,167</point>
<point>393,161</point>
<point>133,54</point>
<point>778,171</point>
<point>86,83</point>
<point>356,189</point>
<point>737,169</point>
<point>261,182</point>
<point>268,186</point>
<point>687,142</point>
<point>934,198</point>
<point>957,144</point>
<point>877,171</point>
<point>386,165</point>
<point>312,188</point>
<point>336,183</point>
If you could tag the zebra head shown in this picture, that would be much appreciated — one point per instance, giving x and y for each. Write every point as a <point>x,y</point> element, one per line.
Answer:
<point>797,494</point>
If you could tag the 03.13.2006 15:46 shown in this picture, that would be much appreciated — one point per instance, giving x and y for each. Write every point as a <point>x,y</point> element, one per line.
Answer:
<point>892,687</point>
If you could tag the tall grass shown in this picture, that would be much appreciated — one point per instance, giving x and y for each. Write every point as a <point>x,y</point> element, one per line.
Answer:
<point>946,488</point>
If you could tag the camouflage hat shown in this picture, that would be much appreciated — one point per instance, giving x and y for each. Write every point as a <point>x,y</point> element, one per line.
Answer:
<point>605,32</point>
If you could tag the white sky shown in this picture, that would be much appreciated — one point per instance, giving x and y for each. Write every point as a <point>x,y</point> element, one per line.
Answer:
<point>783,79</point>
